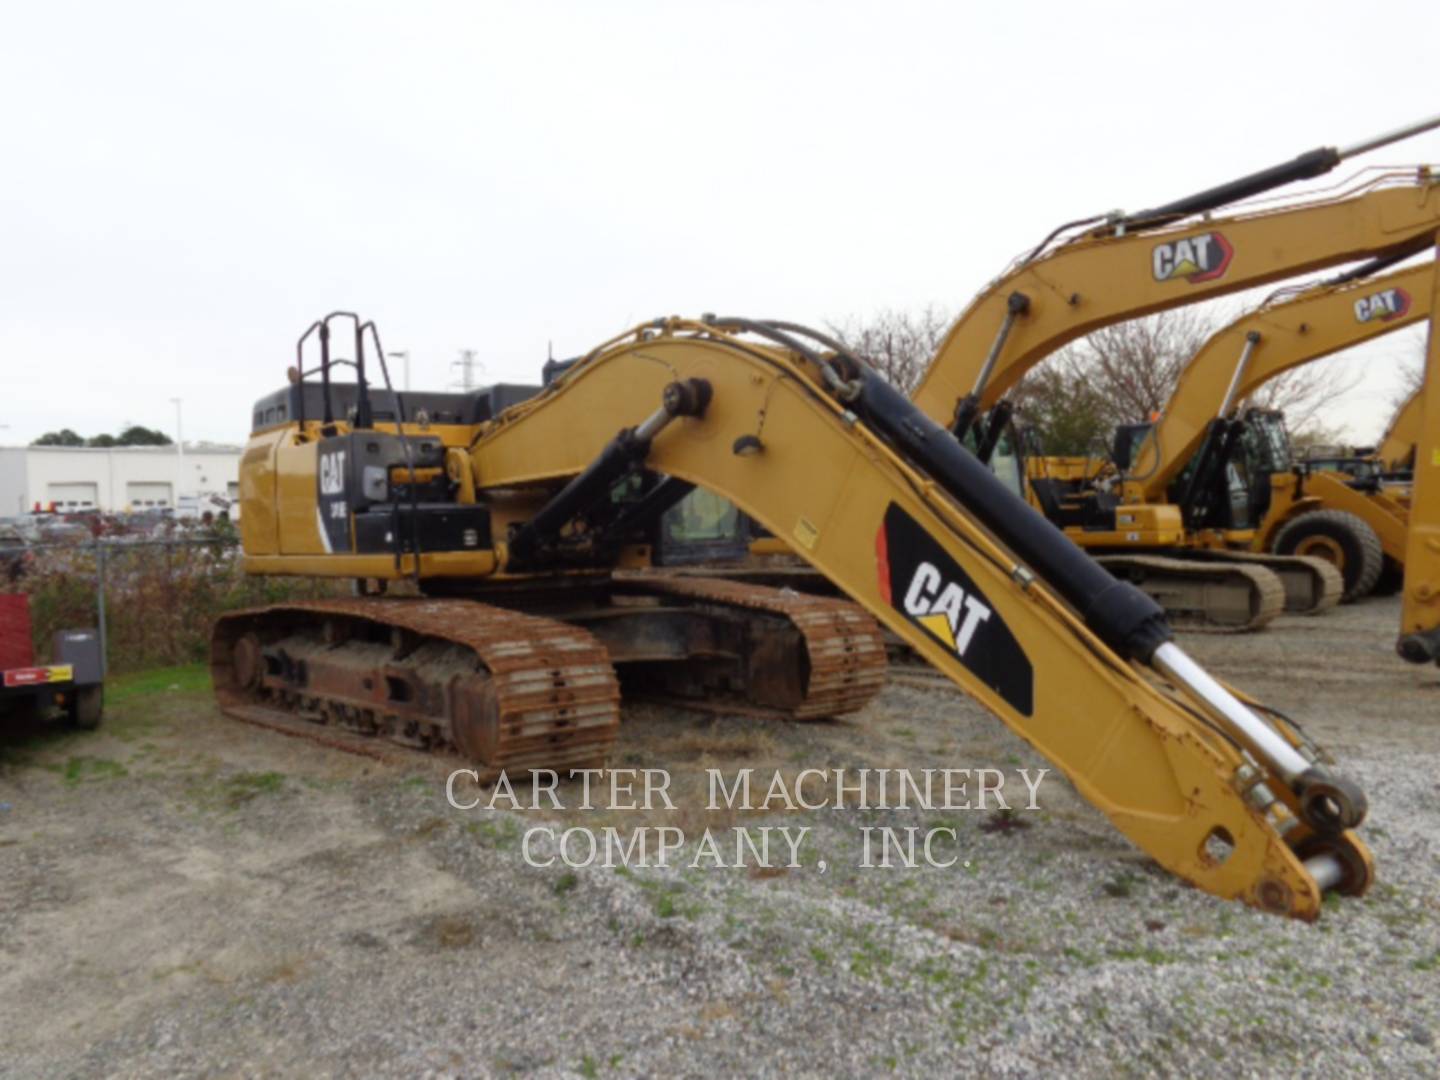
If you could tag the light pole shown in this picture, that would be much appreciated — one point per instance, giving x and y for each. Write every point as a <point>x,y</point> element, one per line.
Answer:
<point>179,454</point>
<point>403,354</point>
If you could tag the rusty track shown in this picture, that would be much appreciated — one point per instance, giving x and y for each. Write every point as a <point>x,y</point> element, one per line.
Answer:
<point>515,691</point>
<point>844,644</point>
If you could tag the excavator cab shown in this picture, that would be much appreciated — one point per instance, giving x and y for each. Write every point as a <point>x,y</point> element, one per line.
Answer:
<point>702,528</point>
<point>1227,484</point>
<point>1125,443</point>
<point>1008,460</point>
<point>1265,452</point>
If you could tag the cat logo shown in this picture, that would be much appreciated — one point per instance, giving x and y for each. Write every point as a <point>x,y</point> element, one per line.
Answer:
<point>943,609</point>
<point>923,582</point>
<point>1382,306</point>
<point>332,473</point>
<point>1195,258</point>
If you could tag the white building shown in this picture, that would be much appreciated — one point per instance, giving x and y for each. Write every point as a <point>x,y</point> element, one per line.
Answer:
<point>114,479</point>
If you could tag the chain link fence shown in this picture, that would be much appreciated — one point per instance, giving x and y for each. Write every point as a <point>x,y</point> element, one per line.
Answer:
<point>152,600</point>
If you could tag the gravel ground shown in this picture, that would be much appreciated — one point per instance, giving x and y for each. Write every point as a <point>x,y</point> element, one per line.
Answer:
<point>184,895</point>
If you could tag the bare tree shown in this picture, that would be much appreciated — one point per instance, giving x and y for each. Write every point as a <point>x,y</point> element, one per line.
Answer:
<point>1128,372</point>
<point>1121,374</point>
<point>1412,374</point>
<point>1135,365</point>
<point>897,344</point>
<point>1304,392</point>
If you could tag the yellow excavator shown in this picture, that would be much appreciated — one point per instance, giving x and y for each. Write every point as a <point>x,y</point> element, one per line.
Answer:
<point>1104,270</point>
<point>521,515</point>
<point>1230,470</point>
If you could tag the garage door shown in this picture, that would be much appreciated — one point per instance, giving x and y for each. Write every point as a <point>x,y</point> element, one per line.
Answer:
<point>147,496</point>
<point>72,496</point>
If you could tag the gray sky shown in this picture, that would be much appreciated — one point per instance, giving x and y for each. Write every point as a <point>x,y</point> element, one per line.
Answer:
<point>187,185</point>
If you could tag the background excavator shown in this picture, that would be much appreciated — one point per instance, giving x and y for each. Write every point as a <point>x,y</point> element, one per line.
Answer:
<point>1230,470</point>
<point>1108,269</point>
<point>526,519</point>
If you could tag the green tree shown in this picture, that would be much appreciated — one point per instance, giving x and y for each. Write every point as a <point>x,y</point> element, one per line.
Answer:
<point>63,437</point>
<point>135,435</point>
<point>1066,413</point>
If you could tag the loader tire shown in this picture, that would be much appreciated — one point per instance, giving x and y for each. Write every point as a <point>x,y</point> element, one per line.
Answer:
<point>1340,538</point>
<point>1392,579</point>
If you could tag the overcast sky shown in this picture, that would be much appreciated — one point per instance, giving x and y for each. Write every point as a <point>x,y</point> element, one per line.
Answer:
<point>186,186</point>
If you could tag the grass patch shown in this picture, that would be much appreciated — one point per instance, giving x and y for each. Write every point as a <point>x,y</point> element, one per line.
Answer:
<point>185,679</point>
<point>1150,955</point>
<point>80,769</point>
<point>1121,885</point>
<point>565,883</point>
<point>499,833</point>
<point>1428,963</point>
<point>242,787</point>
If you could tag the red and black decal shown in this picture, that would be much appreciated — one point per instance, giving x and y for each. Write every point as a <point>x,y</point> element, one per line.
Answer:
<point>1383,306</point>
<point>922,582</point>
<point>1199,258</point>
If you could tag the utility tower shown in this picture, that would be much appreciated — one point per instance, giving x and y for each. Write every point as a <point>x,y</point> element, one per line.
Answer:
<point>470,367</point>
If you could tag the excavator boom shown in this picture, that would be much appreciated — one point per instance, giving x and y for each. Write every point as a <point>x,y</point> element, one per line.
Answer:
<point>1103,278</point>
<point>1397,446</point>
<point>913,528</point>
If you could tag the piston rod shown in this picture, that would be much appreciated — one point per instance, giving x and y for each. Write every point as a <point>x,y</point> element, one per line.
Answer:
<point>1252,338</point>
<point>1172,661</point>
<point>1327,871</point>
<point>1328,804</point>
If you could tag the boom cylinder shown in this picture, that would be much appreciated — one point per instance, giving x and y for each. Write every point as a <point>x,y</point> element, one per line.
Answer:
<point>630,447</point>
<point>1308,165</point>
<point>1252,338</point>
<point>968,407</point>
<point>1124,617</point>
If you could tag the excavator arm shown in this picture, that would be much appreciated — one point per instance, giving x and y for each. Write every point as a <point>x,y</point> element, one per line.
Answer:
<point>1397,446</point>
<point>887,504</point>
<point>1279,336</point>
<point>1108,276</point>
